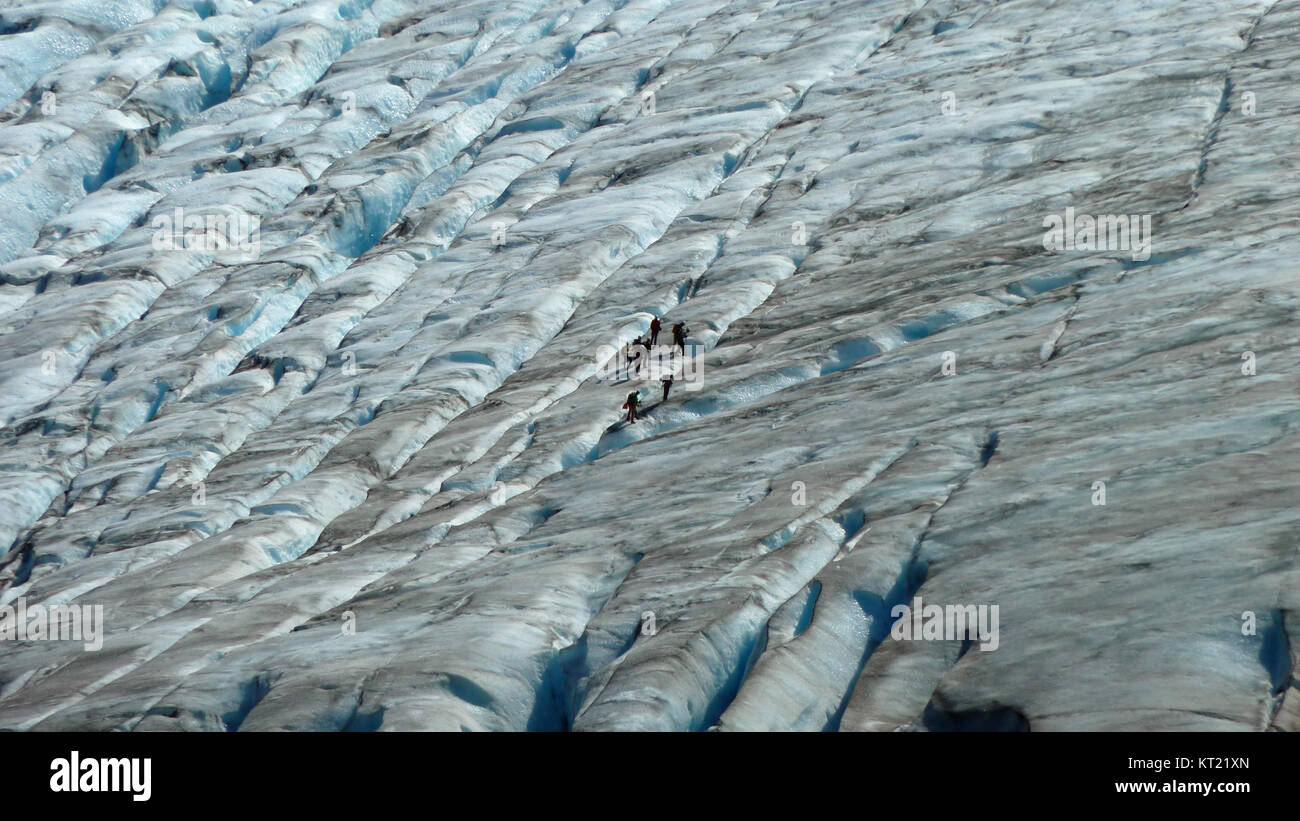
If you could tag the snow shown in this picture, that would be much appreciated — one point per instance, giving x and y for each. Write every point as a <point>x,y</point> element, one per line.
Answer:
<point>395,417</point>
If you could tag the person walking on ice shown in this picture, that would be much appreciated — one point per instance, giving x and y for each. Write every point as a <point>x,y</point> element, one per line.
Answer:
<point>632,403</point>
<point>655,327</point>
<point>679,336</point>
<point>631,356</point>
<point>642,357</point>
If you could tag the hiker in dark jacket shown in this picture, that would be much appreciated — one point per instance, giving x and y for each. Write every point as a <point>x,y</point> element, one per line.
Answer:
<point>655,327</point>
<point>631,355</point>
<point>633,401</point>
<point>679,336</point>
<point>643,355</point>
<point>668,384</point>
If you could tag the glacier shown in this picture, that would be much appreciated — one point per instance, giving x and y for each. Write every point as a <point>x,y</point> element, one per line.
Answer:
<point>369,477</point>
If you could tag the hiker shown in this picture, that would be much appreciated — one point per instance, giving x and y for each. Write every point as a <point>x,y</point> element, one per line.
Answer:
<point>630,355</point>
<point>655,327</point>
<point>668,383</point>
<point>679,336</point>
<point>633,357</point>
<point>633,401</point>
<point>643,356</point>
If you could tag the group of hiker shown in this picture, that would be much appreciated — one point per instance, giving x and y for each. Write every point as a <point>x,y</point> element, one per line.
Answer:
<point>639,348</point>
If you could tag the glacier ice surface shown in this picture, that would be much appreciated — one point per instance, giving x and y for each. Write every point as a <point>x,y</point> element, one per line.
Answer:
<point>368,477</point>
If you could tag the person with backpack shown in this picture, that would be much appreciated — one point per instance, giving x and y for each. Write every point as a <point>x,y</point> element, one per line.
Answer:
<point>679,336</point>
<point>633,402</point>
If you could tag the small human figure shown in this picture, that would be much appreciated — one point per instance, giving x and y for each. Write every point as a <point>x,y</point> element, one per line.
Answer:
<point>655,327</point>
<point>679,336</point>
<point>630,354</point>
<point>633,401</point>
<point>633,357</point>
<point>668,384</point>
<point>643,355</point>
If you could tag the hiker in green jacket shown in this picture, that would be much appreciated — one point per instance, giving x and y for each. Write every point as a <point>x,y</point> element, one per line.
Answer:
<point>632,403</point>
